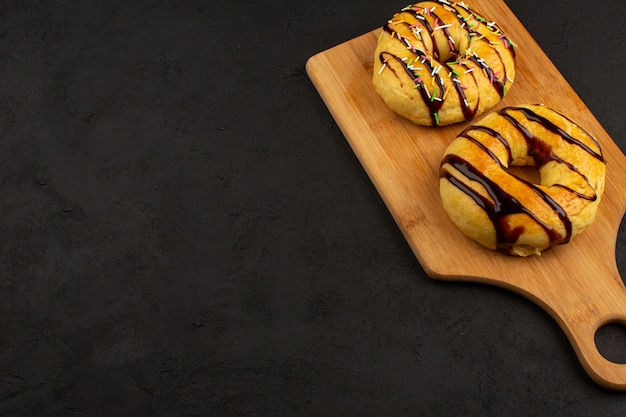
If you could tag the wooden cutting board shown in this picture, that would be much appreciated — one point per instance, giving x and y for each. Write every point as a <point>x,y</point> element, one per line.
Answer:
<point>578,284</point>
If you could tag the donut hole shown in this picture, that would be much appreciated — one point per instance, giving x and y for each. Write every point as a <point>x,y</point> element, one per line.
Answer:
<point>526,172</point>
<point>610,340</point>
<point>446,55</point>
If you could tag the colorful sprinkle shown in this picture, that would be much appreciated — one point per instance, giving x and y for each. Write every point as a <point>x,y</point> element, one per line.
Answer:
<point>445,94</point>
<point>434,94</point>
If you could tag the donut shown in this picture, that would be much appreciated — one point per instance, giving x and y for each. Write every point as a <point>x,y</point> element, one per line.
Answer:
<point>509,214</point>
<point>440,62</point>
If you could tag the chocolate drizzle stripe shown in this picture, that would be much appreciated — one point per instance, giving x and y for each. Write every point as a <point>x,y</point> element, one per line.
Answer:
<point>504,75</point>
<point>542,153</point>
<point>583,131</point>
<point>428,21</point>
<point>547,124</point>
<point>486,150</point>
<point>593,197</point>
<point>492,26</point>
<point>431,32</point>
<point>489,73</point>
<point>493,133</point>
<point>468,112</point>
<point>433,105</point>
<point>502,204</point>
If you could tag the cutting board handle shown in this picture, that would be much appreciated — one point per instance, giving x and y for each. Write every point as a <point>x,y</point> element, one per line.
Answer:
<point>603,371</point>
<point>581,322</point>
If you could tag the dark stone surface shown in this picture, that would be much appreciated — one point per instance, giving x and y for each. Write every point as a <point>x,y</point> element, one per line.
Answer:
<point>185,231</point>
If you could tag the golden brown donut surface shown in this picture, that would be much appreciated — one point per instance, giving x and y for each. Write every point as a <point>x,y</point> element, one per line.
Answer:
<point>440,62</point>
<point>503,212</point>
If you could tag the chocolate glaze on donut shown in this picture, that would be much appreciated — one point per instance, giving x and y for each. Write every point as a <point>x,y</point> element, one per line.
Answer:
<point>500,203</point>
<point>466,60</point>
<point>533,142</point>
<point>433,105</point>
<point>504,204</point>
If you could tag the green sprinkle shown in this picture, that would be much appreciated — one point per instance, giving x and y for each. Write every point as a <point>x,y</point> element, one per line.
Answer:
<point>436,116</point>
<point>435,91</point>
<point>503,90</point>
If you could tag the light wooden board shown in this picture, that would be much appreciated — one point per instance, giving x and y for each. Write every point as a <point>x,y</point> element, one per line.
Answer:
<point>578,284</point>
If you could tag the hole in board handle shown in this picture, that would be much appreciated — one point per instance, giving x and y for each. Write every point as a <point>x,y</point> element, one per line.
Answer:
<point>610,340</point>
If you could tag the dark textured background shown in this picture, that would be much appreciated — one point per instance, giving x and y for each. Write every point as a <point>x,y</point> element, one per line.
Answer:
<point>185,232</point>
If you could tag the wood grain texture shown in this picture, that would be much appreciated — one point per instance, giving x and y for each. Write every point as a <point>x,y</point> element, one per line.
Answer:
<point>578,284</point>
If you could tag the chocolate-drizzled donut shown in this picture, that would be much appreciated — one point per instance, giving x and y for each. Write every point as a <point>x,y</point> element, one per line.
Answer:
<point>440,62</point>
<point>506,213</point>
